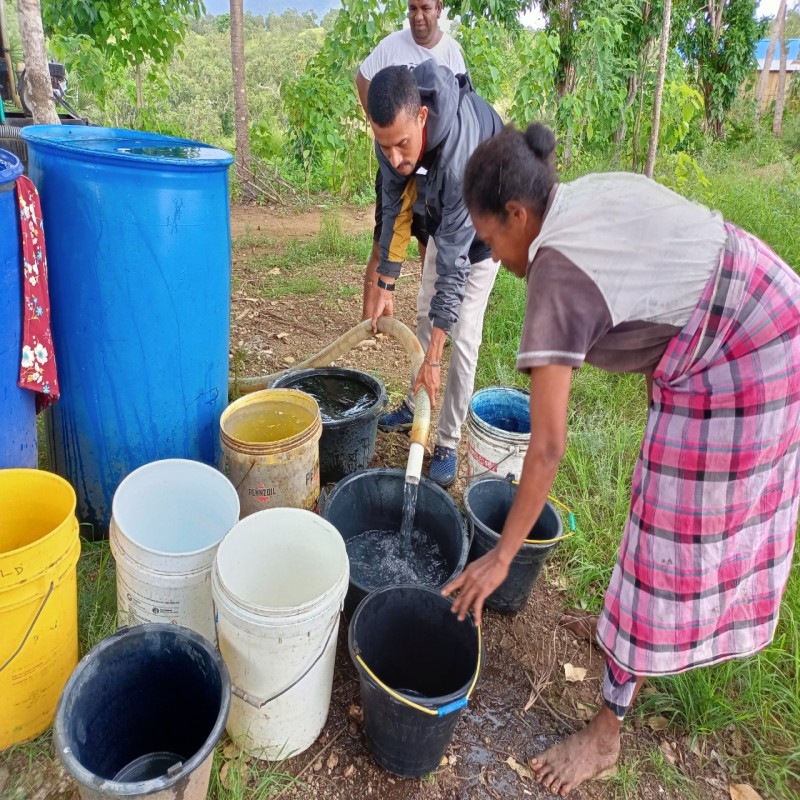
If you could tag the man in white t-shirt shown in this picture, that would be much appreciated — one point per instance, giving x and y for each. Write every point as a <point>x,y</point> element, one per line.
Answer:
<point>423,39</point>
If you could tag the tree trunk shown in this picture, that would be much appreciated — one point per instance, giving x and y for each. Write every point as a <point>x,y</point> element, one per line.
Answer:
<point>619,134</point>
<point>241,121</point>
<point>637,126</point>
<point>762,81</point>
<point>780,98</point>
<point>139,93</point>
<point>716,12</point>
<point>659,90</point>
<point>633,89</point>
<point>38,90</point>
<point>4,35</point>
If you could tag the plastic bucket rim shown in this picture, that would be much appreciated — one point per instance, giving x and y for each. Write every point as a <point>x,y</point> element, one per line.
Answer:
<point>126,789</point>
<point>70,143</point>
<point>462,561</point>
<point>288,614</point>
<point>492,430</point>
<point>486,530</point>
<point>163,553</point>
<point>442,700</point>
<point>279,445</point>
<point>10,168</point>
<point>363,416</point>
<point>50,476</point>
<point>271,616</point>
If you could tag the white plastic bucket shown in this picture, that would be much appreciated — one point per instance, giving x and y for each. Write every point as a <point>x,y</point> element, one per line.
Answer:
<point>498,432</point>
<point>168,520</point>
<point>279,581</point>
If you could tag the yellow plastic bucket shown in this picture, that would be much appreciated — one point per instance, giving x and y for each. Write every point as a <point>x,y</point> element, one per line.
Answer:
<point>39,550</point>
<point>271,444</point>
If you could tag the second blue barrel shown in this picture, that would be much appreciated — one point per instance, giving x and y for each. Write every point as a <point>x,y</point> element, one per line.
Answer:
<point>17,406</point>
<point>138,245</point>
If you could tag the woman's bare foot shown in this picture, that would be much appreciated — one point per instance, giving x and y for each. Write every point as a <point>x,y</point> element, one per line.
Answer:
<point>581,623</point>
<point>583,756</point>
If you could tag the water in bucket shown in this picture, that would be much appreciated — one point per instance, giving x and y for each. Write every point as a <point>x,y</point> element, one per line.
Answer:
<point>381,558</point>
<point>368,505</point>
<point>338,397</point>
<point>270,423</point>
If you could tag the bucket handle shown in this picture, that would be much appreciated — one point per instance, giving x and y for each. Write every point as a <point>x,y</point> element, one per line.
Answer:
<point>257,702</point>
<point>441,711</point>
<point>573,529</point>
<point>30,629</point>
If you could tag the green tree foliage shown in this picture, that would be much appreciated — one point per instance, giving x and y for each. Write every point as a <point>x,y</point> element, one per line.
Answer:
<point>328,130</point>
<point>492,58</point>
<point>102,39</point>
<point>591,73</point>
<point>499,12</point>
<point>718,38</point>
<point>15,43</point>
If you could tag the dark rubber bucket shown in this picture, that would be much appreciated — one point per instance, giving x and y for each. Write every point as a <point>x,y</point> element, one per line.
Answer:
<point>487,503</point>
<point>373,499</point>
<point>141,714</point>
<point>348,444</point>
<point>418,666</point>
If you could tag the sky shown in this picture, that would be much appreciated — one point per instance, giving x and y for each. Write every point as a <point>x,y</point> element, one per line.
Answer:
<point>531,18</point>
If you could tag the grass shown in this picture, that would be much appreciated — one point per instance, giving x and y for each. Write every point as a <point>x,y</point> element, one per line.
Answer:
<point>298,267</point>
<point>325,265</point>
<point>754,701</point>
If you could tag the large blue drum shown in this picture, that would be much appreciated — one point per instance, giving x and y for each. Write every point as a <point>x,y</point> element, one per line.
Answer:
<point>138,242</point>
<point>17,406</point>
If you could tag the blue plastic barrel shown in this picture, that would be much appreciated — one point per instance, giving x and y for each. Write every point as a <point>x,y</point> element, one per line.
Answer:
<point>138,245</point>
<point>17,406</point>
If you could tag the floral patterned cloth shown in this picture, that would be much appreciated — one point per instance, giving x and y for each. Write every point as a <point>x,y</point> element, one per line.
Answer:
<point>37,370</point>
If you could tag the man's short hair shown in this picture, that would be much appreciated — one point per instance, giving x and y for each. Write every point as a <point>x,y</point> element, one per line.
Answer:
<point>391,91</point>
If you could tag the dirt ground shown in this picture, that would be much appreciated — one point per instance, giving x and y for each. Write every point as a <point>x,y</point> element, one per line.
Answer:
<point>523,702</point>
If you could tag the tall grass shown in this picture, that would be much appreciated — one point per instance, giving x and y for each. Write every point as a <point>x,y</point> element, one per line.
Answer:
<point>750,707</point>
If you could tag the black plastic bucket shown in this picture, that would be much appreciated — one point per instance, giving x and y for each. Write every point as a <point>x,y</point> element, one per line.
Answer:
<point>141,715</point>
<point>348,444</point>
<point>418,666</point>
<point>373,500</point>
<point>487,503</point>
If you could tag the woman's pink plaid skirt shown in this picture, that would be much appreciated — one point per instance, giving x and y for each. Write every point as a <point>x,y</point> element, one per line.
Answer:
<point>708,544</point>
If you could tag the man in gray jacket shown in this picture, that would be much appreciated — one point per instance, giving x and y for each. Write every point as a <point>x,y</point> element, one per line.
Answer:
<point>428,117</point>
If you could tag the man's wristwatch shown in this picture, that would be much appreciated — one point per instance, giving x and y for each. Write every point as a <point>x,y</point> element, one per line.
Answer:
<point>383,285</point>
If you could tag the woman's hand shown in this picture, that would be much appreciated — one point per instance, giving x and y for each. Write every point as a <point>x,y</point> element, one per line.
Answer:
<point>476,583</point>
